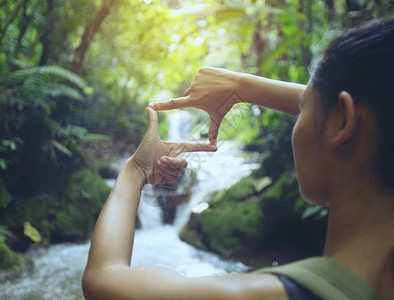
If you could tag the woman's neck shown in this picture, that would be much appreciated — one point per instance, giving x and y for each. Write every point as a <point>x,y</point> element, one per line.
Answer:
<point>361,236</point>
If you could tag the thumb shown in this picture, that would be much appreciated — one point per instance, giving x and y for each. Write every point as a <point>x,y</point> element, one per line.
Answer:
<point>153,121</point>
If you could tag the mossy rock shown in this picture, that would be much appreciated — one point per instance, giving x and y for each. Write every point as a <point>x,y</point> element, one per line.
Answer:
<point>234,219</point>
<point>9,260</point>
<point>249,212</point>
<point>281,202</point>
<point>5,197</point>
<point>238,191</point>
<point>84,197</point>
<point>191,232</point>
<point>230,226</point>
<point>40,212</point>
<point>253,213</point>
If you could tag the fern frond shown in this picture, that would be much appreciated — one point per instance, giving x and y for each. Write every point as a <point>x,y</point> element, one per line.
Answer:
<point>58,89</point>
<point>95,137</point>
<point>55,128</point>
<point>77,131</point>
<point>4,233</point>
<point>63,74</point>
<point>61,148</point>
<point>50,72</point>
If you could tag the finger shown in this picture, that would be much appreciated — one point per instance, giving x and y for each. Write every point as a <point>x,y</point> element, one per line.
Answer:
<point>162,169</point>
<point>168,178</point>
<point>191,147</point>
<point>173,162</point>
<point>153,121</point>
<point>187,92</point>
<point>169,172</point>
<point>213,130</point>
<point>176,103</point>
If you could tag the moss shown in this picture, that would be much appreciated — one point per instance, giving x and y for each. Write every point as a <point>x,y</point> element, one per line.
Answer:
<point>229,226</point>
<point>277,190</point>
<point>238,191</point>
<point>5,197</point>
<point>280,203</point>
<point>9,260</point>
<point>85,194</point>
<point>39,211</point>
<point>253,213</point>
<point>233,222</point>
<point>88,186</point>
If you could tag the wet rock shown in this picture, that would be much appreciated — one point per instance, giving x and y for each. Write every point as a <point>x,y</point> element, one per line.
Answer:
<point>191,233</point>
<point>80,205</point>
<point>108,171</point>
<point>169,196</point>
<point>9,260</point>
<point>246,215</point>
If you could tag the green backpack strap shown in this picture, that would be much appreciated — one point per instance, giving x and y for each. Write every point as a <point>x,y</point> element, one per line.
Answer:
<point>327,278</point>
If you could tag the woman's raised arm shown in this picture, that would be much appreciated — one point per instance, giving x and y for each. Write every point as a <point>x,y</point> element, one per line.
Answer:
<point>216,90</point>
<point>108,274</point>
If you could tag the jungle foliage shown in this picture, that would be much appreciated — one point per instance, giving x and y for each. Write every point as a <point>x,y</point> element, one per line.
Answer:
<point>84,70</point>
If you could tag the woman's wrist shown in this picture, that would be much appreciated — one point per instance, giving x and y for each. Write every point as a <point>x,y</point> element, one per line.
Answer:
<point>250,87</point>
<point>133,170</point>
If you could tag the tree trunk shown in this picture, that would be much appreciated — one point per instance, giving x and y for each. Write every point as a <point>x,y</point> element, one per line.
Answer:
<point>10,20</point>
<point>24,22</point>
<point>306,9</point>
<point>46,38</point>
<point>88,35</point>
<point>331,10</point>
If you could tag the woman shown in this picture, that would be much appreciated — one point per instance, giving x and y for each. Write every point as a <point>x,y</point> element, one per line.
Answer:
<point>343,150</point>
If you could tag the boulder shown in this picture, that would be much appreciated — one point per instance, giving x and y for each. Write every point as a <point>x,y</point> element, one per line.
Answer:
<point>80,205</point>
<point>244,216</point>
<point>9,260</point>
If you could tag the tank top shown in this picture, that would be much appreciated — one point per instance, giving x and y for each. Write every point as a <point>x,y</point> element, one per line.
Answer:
<point>324,278</point>
<point>295,291</point>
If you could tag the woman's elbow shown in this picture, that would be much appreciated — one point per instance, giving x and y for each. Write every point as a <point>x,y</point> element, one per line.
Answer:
<point>89,284</point>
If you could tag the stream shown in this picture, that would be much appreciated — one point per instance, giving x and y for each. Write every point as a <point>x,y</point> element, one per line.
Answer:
<point>55,272</point>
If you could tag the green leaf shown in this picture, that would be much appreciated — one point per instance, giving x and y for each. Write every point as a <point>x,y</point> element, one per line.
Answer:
<point>61,148</point>
<point>279,50</point>
<point>226,14</point>
<point>31,232</point>
<point>262,183</point>
<point>4,233</point>
<point>57,90</point>
<point>88,90</point>
<point>94,137</point>
<point>315,210</point>
<point>3,164</point>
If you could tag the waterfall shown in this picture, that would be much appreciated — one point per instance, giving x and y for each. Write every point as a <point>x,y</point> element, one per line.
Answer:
<point>215,171</point>
<point>55,273</point>
<point>149,211</point>
<point>179,125</point>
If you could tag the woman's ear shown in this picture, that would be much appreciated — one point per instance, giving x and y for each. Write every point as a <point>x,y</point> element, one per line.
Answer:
<point>346,120</point>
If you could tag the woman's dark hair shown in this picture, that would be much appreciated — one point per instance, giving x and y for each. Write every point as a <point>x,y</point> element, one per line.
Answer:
<point>361,62</point>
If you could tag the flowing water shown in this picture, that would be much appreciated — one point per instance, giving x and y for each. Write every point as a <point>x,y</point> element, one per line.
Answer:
<point>55,272</point>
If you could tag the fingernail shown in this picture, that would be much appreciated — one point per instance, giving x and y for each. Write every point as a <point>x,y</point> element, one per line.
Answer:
<point>164,160</point>
<point>214,147</point>
<point>151,104</point>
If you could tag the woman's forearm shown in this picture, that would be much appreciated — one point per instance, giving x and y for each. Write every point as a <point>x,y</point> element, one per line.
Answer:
<point>112,240</point>
<point>275,94</point>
